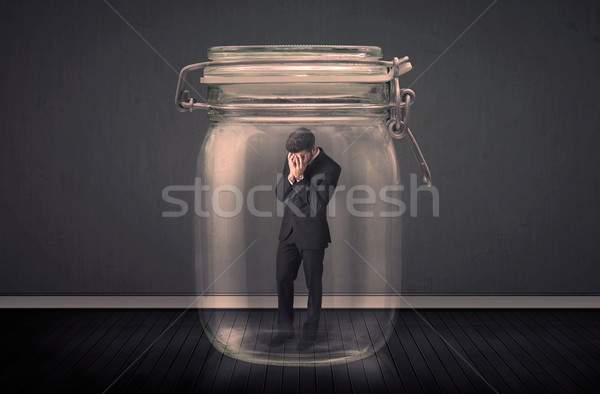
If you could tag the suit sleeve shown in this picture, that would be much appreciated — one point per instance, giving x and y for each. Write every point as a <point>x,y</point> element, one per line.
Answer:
<point>319,191</point>
<point>283,188</point>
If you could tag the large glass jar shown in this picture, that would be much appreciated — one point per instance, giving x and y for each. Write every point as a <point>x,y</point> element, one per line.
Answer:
<point>257,95</point>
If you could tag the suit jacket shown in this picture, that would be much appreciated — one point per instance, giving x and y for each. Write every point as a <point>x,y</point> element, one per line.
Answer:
<point>306,202</point>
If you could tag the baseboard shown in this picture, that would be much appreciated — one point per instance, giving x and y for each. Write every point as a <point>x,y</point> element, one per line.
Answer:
<point>329,301</point>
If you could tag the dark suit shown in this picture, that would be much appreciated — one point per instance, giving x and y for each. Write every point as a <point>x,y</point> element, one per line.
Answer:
<point>303,236</point>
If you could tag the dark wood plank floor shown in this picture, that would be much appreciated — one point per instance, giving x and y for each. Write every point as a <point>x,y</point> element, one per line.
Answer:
<point>158,350</point>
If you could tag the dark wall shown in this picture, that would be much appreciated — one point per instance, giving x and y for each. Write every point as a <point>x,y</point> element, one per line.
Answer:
<point>508,118</point>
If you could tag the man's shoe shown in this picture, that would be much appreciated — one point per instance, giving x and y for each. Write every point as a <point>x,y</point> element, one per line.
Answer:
<point>280,338</point>
<point>307,341</point>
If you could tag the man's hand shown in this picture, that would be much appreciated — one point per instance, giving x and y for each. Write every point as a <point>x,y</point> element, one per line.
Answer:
<point>297,166</point>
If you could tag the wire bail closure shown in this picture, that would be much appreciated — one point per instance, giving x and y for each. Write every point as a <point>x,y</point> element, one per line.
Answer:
<point>398,122</point>
<point>399,109</point>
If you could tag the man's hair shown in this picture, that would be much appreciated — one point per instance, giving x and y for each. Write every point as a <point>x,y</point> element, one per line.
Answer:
<point>299,140</point>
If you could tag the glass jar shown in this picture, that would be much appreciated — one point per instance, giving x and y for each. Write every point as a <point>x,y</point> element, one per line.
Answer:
<point>257,95</point>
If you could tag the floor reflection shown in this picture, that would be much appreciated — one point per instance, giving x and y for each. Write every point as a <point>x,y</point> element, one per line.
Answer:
<point>344,335</point>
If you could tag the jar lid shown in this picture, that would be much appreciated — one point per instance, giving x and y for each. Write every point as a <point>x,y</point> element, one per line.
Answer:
<point>219,53</point>
<point>298,63</point>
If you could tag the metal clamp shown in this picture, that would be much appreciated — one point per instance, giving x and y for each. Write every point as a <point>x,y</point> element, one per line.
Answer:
<point>183,100</point>
<point>396,68</point>
<point>399,109</point>
<point>398,123</point>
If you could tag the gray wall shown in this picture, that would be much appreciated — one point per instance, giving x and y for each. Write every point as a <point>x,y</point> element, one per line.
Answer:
<point>508,119</point>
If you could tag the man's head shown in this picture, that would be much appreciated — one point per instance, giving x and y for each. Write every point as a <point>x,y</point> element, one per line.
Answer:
<point>302,143</point>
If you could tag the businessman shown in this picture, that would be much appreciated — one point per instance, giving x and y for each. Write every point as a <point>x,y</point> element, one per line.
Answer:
<point>308,183</point>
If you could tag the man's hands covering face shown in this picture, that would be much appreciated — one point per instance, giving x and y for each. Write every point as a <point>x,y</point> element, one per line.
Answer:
<point>297,164</point>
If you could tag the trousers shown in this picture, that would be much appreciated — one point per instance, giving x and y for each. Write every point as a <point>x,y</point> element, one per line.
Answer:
<point>288,262</point>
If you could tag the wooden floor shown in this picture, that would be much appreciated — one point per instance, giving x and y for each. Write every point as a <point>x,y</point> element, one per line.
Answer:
<point>158,350</point>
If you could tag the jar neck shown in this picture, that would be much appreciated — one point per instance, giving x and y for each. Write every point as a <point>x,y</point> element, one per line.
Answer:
<point>297,115</point>
<point>308,98</point>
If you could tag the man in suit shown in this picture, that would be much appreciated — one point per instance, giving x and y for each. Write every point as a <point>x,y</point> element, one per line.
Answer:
<point>308,183</point>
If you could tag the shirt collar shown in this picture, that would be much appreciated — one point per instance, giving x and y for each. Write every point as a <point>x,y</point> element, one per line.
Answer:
<point>313,158</point>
